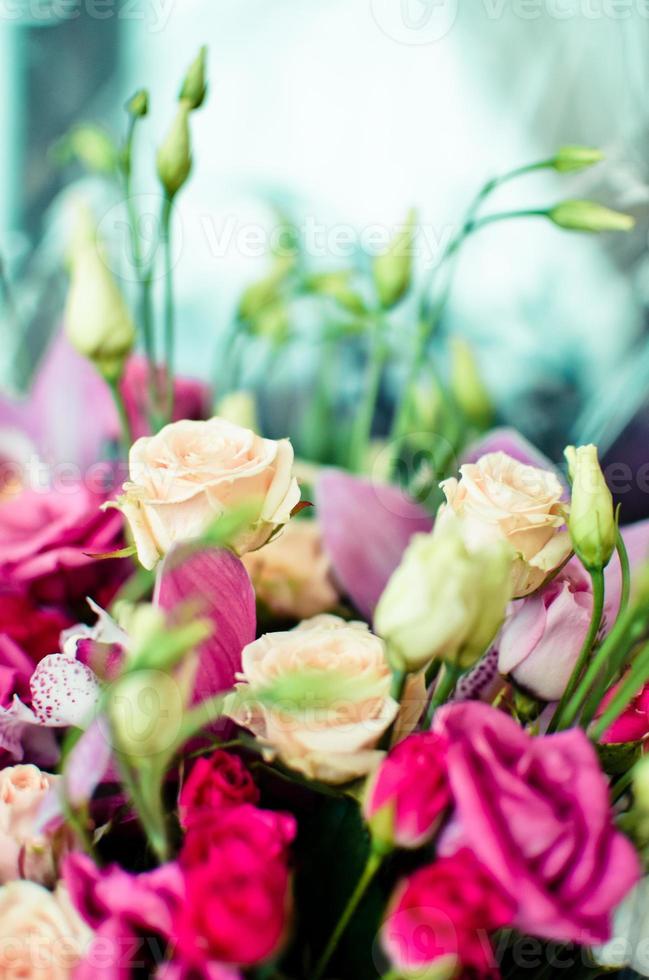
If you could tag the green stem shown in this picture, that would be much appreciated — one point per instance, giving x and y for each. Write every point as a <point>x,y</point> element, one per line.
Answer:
<point>625,571</point>
<point>154,831</point>
<point>169,311</point>
<point>619,788</point>
<point>372,866</point>
<point>362,429</point>
<point>564,715</point>
<point>450,675</point>
<point>125,425</point>
<point>629,687</point>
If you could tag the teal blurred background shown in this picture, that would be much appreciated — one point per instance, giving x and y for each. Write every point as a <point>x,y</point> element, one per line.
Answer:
<point>345,113</point>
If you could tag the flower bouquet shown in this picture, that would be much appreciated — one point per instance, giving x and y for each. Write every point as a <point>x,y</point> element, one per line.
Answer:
<point>266,718</point>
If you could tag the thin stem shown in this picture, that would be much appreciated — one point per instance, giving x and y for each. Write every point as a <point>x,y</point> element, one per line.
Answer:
<point>125,425</point>
<point>564,716</point>
<point>362,429</point>
<point>169,312</point>
<point>625,572</point>
<point>372,866</point>
<point>489,219</point>
<point>619,788</point>
<point>445,686</point>
<point>629,687</point>
<point>155,834</point>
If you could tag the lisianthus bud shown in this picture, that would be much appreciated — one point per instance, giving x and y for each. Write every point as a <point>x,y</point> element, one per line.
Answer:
<point>589,216</point>
<point>592,519</point>
<point>336,286</point>
<point>393,269</point>
<point>467,386</point>
<point>444,600</point>
<point>97,321</point>
<point>174,158</point>
<point>409,792</point>
<point>91,146</point>
<point>641,784</point>
<point>138,104</point>
<point>194,87</point>
<point>240,408</point>
<point>145,708</point>
<point>569,159</point>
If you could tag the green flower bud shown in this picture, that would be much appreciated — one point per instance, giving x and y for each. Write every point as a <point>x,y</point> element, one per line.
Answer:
<point>97,321</point>
<point>90,146</point>
<point>589,216</point>
<point>265,291</point>
<point>467,386</point>
<point>194,87</point>
<point>570,159</point>
<point>641,784</point>
<point>591,521</point>
<point>393,269</point>
<point>145,709</point>
<point>273,323</point>
<point>138,104</point>
<point>239,407</point>
<point>174,158</point>
<point>443,600</point>
<point>336,286</point>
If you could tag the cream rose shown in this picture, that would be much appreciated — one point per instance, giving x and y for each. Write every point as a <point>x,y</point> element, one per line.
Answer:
<point>190,473</point>
<point>498,497</point>
<point>340,743</point>
<point>292,574</point>
<point>24,851</point>
<point>41,935</point>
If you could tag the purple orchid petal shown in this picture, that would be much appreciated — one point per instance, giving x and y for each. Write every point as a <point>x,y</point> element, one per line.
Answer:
<point>217,582</point>
<point>366,527</point>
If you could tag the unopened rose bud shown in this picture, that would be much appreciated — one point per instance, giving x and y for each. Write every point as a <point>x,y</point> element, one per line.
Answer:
<point>138,104</point>
<point>97,321</point>
<point>145,709</point>
<point>239,407</point>
<point>444,601</point>
<point>592,518</point>
<point>570,159</point>
<point>589,216</point>
<point>393,269</point>
<point>194,87</point>
<point>467,385</point>
<point>174,159</point>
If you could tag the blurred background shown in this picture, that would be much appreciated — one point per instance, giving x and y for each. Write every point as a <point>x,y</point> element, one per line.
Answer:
<point>342,115</point>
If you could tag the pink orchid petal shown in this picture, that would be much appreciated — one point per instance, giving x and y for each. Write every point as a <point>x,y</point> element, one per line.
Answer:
<point>216,582</point>
<point>510,441</point>
<point>365,527</point>
<point>64,692</point>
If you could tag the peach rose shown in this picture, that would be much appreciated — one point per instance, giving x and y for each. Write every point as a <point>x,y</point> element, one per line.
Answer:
<point>41,935</point>
<point>292,574</point>
<point>186,476</point>
<point>24,851</point>
<point>340,742</point>
<point>500,497</point>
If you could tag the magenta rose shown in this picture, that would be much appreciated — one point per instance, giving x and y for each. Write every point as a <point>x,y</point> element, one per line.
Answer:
<point>544,632</point>
<point>441,917</point>
<point>536,812</point>
<point>192,399</point>
<point>47,541</point>
<point>633,724</point>
<point>27,634</point>
<point>238,893</point>
<point>409,792</point>
<point>214,784</point>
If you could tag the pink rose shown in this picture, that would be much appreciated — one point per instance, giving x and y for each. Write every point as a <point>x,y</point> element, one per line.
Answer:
<point>192,399</point>
<point>633,724</point>
<point>47,540</point>
<point>238,895</point>
<point>543,635</point>
<point>536,813</point>
<point>441,917</point>
<point>498,497</point>
<point>409,792</point>
<point>214,784</point>
<point>28,633</point>
<point>26,852</point>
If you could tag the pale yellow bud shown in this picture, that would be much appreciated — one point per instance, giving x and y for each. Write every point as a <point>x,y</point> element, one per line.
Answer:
<point>467,385</point>
<point>641,784</point>
<point>589,216</point>
<point>592,519</point>
<point>570,159</point>
<point>239,407</point>
<point>393,269</point>
<point>145,709</point>
<point>444,601</point>
<point>97,321</point>
<point>194,87</point>
<point>138,104</point>
<point>174,159</point>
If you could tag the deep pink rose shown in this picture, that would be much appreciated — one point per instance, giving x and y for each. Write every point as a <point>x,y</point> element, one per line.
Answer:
<point>27,634</point>
<point>442,915</point>
<point>544,632</point>
<point>192,399</point>
<point>633,724</point>
<point>237,886</point>
<point>536,812</point>
<point>409,792</point>
<point>214,784</point>
<point>45,542</point>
